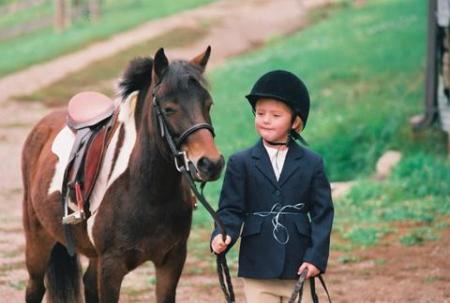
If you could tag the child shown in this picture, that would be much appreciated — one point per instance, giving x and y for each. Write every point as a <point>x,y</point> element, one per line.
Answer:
<point>279,191</point>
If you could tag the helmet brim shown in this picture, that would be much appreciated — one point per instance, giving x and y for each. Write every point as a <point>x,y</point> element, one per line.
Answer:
<point>252,98</point>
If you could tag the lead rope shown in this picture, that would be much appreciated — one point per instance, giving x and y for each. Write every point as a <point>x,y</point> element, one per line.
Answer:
<point>298,288</point>
<point>223,271</point>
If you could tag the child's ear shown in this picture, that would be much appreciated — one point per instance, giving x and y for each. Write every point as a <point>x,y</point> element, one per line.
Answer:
<point>297,125</point>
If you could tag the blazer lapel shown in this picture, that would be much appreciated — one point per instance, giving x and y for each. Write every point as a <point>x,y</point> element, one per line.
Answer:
<point>262,163</point>
<point>292,162</point>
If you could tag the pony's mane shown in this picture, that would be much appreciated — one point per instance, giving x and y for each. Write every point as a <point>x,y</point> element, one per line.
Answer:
<point>137,76</point>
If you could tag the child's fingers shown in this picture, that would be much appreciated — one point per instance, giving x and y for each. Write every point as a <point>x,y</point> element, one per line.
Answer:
<point>219,240</point>
<point>219,249</point>
<point>228,240</point>
<point>312,270</point>
<point>302,268</point>
<point>218,245</point>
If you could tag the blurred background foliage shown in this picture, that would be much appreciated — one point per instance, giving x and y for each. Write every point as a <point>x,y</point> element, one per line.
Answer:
<point>28,36</point>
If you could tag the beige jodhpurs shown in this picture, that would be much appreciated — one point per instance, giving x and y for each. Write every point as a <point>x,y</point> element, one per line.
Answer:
<point>273,291</point>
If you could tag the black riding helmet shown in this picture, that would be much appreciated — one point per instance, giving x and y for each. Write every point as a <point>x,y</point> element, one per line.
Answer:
<point>286,87</point>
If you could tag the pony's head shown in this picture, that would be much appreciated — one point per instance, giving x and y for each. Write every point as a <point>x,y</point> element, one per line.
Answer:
<point>184,103</point>
<point>180,104</point>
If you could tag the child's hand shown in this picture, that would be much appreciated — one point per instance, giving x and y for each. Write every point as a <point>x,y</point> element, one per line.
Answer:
<point>312,270</point>
<point>217,244</point>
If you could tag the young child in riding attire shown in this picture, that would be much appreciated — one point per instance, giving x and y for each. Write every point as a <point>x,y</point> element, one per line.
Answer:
<point>279,192</point>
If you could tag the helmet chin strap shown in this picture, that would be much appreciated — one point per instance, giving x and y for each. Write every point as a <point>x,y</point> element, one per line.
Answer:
<point>279,143</point>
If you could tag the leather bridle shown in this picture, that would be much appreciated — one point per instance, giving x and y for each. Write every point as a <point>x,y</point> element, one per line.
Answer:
<point>181,159</point>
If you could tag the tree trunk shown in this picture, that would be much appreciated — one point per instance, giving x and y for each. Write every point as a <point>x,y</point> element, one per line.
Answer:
<point>69,13</point>
<point>94,10</point>
<point>60,12</point>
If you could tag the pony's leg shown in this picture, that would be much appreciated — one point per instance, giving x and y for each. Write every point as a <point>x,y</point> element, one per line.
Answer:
<point>90,282</point>
<point>168,274</point>
<point>37,254</point>
<point>111,270</point>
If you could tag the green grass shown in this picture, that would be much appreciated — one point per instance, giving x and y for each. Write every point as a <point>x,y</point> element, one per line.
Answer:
<point>365,70</point>
<point>44,44</point>
<point>363,67</point>
<point>418,192</point>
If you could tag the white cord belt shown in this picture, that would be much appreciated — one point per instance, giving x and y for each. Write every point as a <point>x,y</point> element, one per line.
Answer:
<point>279,228</point>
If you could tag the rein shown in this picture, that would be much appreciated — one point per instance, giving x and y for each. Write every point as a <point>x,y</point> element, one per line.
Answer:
<point>298,288</point>
<point>184,166</point>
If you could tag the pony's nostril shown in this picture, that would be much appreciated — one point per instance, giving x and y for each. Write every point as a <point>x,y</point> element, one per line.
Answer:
<point>204,164</point>
<point>210,169</point>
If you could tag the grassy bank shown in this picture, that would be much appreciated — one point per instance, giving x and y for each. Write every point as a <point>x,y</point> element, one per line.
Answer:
<point>365,70</point>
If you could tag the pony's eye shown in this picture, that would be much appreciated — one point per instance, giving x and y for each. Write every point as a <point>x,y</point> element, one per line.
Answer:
<point>169,110</point>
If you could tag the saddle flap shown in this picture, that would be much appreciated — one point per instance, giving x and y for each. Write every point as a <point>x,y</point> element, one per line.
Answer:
<point>93,161</point>
<point>88,108</point>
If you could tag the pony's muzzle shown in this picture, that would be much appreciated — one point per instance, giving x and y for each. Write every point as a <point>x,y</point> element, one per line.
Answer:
<point>209,169</point>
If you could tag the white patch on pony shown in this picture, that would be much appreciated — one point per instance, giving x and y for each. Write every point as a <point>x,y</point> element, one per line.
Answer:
<point>61,147</point>
<point>127,121</point>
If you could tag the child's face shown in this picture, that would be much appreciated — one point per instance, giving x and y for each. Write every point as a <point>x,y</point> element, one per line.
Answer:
<point>273,120</point>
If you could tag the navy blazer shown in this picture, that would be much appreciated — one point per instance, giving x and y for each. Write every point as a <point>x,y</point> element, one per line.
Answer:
<point>250,190</point>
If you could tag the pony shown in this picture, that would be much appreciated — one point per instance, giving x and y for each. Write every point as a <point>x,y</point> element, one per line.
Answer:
<point>140,207</point>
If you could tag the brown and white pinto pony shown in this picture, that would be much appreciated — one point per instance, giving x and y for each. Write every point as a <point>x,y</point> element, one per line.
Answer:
<point>140,207</point>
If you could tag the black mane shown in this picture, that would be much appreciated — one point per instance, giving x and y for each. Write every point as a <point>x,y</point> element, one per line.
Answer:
<point>178,76</point>
<point>137,76</point>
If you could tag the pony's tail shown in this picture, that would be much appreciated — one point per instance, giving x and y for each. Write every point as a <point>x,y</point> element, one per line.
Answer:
<point>63,276</point>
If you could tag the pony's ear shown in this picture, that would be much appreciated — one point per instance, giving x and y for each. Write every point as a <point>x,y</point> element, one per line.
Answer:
<point>160,64</point>
<point>202,59</point>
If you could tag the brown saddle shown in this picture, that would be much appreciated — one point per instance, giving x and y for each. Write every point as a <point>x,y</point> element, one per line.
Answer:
<point>91,117</point>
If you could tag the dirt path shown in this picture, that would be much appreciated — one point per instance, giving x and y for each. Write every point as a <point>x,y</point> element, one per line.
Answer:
<point>385,274</point>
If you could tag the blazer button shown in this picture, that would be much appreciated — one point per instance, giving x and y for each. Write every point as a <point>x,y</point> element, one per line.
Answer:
<point>277,193</point>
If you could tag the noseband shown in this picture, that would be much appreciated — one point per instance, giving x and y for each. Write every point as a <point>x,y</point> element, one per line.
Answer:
<point>181,159</point>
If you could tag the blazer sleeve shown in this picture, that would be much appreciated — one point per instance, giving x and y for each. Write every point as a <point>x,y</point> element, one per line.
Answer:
<point>322,214</point>
<point>232,200</point>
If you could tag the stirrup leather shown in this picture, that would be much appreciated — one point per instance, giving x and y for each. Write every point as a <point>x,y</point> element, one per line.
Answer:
<point>78,215</point>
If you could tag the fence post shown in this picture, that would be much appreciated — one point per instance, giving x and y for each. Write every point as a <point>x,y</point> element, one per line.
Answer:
<point>60,12</point>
